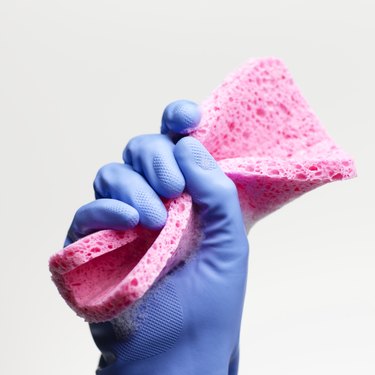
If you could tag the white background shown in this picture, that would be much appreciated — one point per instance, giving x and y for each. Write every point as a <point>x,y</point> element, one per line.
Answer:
<point>79,78</point>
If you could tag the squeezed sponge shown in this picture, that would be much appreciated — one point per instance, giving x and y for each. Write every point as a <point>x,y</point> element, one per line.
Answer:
<point>266,138</point>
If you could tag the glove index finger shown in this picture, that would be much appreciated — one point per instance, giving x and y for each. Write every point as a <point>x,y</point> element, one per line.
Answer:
<point>180,117</point>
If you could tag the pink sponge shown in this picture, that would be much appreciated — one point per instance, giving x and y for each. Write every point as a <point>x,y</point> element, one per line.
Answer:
<point>265,137</point>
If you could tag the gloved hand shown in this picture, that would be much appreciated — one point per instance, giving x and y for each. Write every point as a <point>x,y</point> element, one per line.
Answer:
<point>188,322</point>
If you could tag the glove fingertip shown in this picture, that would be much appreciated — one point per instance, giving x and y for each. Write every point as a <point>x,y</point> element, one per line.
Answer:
<point>181,117</point>
<point>155,219</point>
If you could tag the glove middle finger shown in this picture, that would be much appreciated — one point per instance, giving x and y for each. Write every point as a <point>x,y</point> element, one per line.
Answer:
<point>121,182</point>
<point>152,156</point>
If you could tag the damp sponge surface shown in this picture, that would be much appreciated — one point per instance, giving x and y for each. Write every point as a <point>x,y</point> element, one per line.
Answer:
<point>266,138</point>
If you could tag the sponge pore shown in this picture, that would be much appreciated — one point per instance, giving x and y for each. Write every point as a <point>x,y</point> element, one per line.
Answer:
<point>265,137</point>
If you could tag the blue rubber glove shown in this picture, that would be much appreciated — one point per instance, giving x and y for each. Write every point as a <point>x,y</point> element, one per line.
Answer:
<point>189,322</point>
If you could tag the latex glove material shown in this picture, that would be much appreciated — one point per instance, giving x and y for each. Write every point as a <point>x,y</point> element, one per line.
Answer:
<point>131,199</point>
<point>189,322</point>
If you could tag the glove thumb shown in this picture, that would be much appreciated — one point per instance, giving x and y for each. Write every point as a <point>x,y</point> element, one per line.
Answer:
<point>216,196</point>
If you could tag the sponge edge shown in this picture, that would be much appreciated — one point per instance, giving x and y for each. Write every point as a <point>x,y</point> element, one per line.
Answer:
<point>101,274</point>
<point>265,185</point>
<point>265,137</point>
<point>261,111</point>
